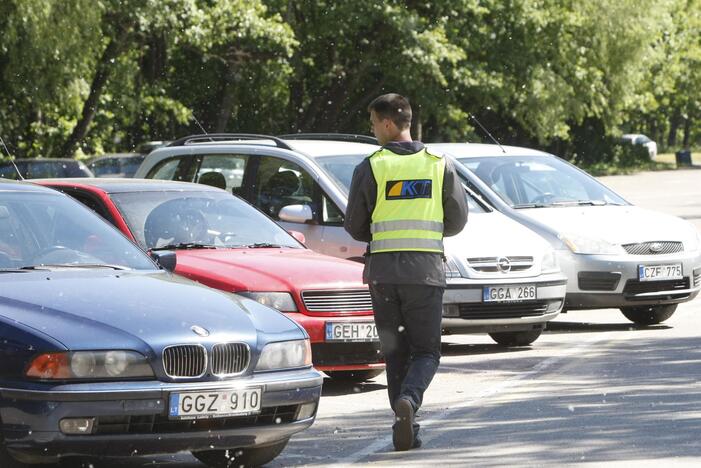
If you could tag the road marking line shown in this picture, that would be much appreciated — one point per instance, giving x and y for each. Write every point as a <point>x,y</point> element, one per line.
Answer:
<point>439,416</point>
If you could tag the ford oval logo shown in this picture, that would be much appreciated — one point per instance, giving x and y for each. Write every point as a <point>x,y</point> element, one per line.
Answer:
<point>199,330</point>
<point>503,264</point>
<point>656,247</point>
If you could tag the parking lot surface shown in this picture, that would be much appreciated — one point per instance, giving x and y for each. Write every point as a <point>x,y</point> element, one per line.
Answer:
<point>593,389</point>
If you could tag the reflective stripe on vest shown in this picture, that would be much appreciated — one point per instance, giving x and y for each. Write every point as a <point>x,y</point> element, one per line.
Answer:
<point>404,225</point>
<point>406,244</point>
<point>408,214</point>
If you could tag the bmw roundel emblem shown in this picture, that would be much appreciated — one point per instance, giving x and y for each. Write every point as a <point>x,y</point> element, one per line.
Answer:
<point>199,330</point>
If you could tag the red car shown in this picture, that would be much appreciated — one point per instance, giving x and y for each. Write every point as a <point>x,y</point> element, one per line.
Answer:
<point>225,243</point>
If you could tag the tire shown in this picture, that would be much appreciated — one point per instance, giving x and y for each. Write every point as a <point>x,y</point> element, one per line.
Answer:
<point>520,338</point>
<point>356,375</point>
<point>649,315</point>
<point>246,457</point>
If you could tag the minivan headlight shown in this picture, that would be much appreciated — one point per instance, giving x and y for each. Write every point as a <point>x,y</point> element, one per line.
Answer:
<point>589,245</point>
<point>549,263</point>
<point>285,355</point>
<point>88,365</point>
<point>281,301</point>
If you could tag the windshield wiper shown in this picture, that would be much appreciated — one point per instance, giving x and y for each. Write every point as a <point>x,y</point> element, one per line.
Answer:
<point>530,205</point>
<point>49,266</point>
<point>185,245</point>
<point>263,245</point>
<point>584,203</point>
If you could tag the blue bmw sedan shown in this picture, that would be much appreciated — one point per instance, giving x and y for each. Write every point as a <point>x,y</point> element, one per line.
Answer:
<point>104,353</point>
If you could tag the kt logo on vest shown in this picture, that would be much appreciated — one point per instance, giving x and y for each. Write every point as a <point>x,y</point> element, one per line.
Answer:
<point>408,189</point>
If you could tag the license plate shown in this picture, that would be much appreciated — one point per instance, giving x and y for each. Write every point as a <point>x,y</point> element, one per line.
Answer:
<point>526,292</point>
<point>215,404</point>
<point>660,272</point>
<point>351,331</point>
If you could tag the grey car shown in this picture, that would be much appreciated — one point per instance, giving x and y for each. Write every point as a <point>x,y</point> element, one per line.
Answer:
<point>503,279</point>
<point>615,254</point>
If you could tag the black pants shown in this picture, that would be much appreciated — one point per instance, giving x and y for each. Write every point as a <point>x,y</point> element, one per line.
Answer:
<point>408,318</point>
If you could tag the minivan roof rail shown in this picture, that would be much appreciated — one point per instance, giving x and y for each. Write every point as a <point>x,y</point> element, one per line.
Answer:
<point>214,137</point>
<point>331,137</point>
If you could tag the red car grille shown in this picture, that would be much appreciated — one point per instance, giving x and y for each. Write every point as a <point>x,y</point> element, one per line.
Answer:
<point>344,300</point>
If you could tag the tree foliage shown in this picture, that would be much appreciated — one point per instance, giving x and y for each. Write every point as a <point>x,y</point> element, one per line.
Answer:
<point>85,77</point>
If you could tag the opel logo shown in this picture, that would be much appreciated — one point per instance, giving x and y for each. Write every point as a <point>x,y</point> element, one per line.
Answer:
<point>503,264</point>
<point>199,330</point>
<point>655,247</point>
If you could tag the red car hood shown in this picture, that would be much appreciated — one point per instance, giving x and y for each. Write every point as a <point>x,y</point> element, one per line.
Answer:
<point>291,270</point>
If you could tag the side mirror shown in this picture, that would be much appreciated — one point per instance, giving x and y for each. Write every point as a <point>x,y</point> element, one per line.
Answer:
<point>165,259</point>
<point>296,213</point>
<point>299,236</point>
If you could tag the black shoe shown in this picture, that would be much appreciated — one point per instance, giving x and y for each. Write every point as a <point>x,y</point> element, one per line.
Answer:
<point>403,430</point>
<point>417,443</point>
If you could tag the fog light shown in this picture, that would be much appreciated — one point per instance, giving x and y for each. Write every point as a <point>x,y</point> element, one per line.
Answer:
<point>306,411</point>
<point>451,310</point>
<point>77,425</point>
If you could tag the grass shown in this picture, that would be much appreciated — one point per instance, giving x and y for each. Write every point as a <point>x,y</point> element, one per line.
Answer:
<point>603,169</point>
<point>669,158</point>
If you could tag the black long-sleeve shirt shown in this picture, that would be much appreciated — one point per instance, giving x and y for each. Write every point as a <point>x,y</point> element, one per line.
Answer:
<point>404,267</point>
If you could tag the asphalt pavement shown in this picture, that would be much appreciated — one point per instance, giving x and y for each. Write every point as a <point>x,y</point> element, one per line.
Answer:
<point>594,389</point>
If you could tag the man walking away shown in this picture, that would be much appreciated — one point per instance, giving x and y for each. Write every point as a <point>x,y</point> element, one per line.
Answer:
<point>403,200</point>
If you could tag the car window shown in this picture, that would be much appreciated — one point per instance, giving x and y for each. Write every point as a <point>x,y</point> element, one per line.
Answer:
<point>540,180</point>
<point>223,170</point>
<point>340,168</point>
<point>165,170</point>
<point>211,218</point>
<point>44,229</point>
<point>280,183</point>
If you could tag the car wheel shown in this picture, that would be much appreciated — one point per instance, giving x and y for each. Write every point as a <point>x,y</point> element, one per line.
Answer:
<point>649,315</point>
<point>246,457</point>
<point>356,375</point>
<point>520,338</point>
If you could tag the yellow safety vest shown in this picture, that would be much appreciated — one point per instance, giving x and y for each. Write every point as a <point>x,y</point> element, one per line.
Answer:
<point>408,214</point>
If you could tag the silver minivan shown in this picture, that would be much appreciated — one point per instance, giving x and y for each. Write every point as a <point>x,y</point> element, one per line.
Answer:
<point>503,278</point>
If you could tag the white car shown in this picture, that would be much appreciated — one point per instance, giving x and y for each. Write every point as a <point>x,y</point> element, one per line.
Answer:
<point>503,279</point>
<point>613,253</point>
<point>639,139</point>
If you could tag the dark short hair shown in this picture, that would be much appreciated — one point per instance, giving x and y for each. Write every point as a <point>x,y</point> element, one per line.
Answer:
<point>394,107</point>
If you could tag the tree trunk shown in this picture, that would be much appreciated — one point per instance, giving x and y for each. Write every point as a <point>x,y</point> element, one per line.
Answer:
<point>687,131</point>
<point>673,127</point>
<point>104,67</point>
<point>417,129</point>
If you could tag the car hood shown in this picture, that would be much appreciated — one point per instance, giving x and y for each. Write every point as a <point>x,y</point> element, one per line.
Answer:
<point>269,269</point>
<point>99,309</point>
<point>494,235</point>
<point>616,224</point>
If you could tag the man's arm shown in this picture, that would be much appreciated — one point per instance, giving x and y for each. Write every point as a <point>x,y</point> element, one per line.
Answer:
<point>454,202</point>
<point>361,203</point>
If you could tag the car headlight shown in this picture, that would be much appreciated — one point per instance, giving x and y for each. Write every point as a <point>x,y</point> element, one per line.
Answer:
<point>588,245</point>
<point>451,268</point>
<point>285,355</point>
<point>86,365</point>
<point>281,301</point>
<point>549,263</point>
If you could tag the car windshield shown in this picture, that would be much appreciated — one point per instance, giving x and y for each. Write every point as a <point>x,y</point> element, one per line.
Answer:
<point>540,181</point>
<point>340,169</point>
<point>116,167</point>
<point>191,219</point>
<point>44,230</point>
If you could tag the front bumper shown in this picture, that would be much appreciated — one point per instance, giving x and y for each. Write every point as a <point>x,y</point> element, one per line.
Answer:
<point>464,298</point>
<point>132,418</point>
<point>339,355</point>
<point>611,281</point>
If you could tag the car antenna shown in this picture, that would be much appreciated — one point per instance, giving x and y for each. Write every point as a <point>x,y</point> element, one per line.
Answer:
<point>487,132</point>
<point>12,159</point>
<point>201,127</point>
